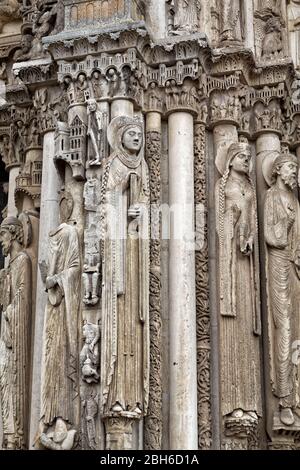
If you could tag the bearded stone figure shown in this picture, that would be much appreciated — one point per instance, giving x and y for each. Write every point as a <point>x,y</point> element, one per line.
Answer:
<point>282,236</point>
<point>239,321</point>
<point>60,356</point>
<point>15,298</point>
<point>125,293</point>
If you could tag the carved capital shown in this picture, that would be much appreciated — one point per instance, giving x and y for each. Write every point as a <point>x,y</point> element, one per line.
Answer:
<point>118,433</point>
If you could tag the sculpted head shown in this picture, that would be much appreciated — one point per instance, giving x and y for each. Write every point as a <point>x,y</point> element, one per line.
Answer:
<point>11,233</point>
<point>286,167</point>
<point>126,137</point>
<point>239,158</point>
<point>26,43</point>
<point>90,332</point>
<point>132,139</point>
<point>66,205</point>
<point>92,105</point>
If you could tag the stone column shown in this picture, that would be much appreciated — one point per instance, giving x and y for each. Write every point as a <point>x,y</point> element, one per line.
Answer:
<point>121,107</point>
<point>155,17</point>
<point>153,422</point>
<point>248,28</point>
<point>183,354</point>
<point>11,206</point>
<point>48,221</point>
<point>267,141</point>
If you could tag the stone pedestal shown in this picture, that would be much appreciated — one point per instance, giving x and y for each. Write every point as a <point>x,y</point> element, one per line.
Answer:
<point>121,107</point>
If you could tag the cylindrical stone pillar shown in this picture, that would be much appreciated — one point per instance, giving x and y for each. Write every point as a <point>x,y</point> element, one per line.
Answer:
<point>155,16</point>
<point>182,301</point>
<point>267,141</point>
<point>49,219</point>
<point>11,206</point>
<point>121,107</point>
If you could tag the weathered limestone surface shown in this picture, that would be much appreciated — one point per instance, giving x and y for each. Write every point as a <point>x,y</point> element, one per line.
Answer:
<point>150,289</point>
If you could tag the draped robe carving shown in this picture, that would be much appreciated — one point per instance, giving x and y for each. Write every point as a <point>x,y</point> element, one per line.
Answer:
<point>239,321</point>
<point>14,345</point>
<point>125,293</point>
<point>282,236</point>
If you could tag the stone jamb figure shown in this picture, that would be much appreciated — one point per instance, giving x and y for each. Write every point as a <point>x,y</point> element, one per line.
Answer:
<point>15,298</point>
<point>239,321</point>
<point>282,237</point>
<point>125,293</point>
<point>60,361</point>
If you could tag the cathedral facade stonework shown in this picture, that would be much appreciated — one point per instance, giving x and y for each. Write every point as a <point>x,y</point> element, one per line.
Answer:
<point>150,224</point>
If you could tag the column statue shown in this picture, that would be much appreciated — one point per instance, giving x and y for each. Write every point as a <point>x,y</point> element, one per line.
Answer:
<point>60,355</point>
<point>282,236</point>
<point>238,286</point>
<point>125,293</point>
<point>15,298</point>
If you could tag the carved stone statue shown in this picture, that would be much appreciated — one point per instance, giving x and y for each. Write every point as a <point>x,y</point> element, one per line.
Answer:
<point>239,323</point>
<point>186,16</point>
<point>89,355</point>
<point>125,293</point>
<point>9,11</point>
<point>95,129</point>
<point>24,53</point>
<point>15,298</point>
<point>232,21</point>
<point>282,236</point>
<point>91,267</point>
<point>294,30</point>
<point>59,379</point>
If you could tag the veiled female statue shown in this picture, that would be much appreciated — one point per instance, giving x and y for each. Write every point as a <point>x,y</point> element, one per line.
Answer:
<point>239,321</point>
<point>125,277</point>
<point>60,356</point>
<point>15,298</point>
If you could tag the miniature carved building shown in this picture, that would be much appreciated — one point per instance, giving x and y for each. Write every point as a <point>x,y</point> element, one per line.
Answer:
<point>149,198</point>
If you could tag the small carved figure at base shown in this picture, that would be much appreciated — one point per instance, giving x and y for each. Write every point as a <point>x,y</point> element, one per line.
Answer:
<point>60,438</point>
<point>90,283</point>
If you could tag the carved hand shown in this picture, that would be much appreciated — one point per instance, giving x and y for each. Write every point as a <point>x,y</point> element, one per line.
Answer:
<point>135,211</point>
<point>247,246</point>
<point>291,216</point>
<point>51,282</point>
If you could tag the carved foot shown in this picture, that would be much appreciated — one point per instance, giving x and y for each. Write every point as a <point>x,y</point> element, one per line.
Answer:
<point>117,408</point>
<point>287,417</point>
